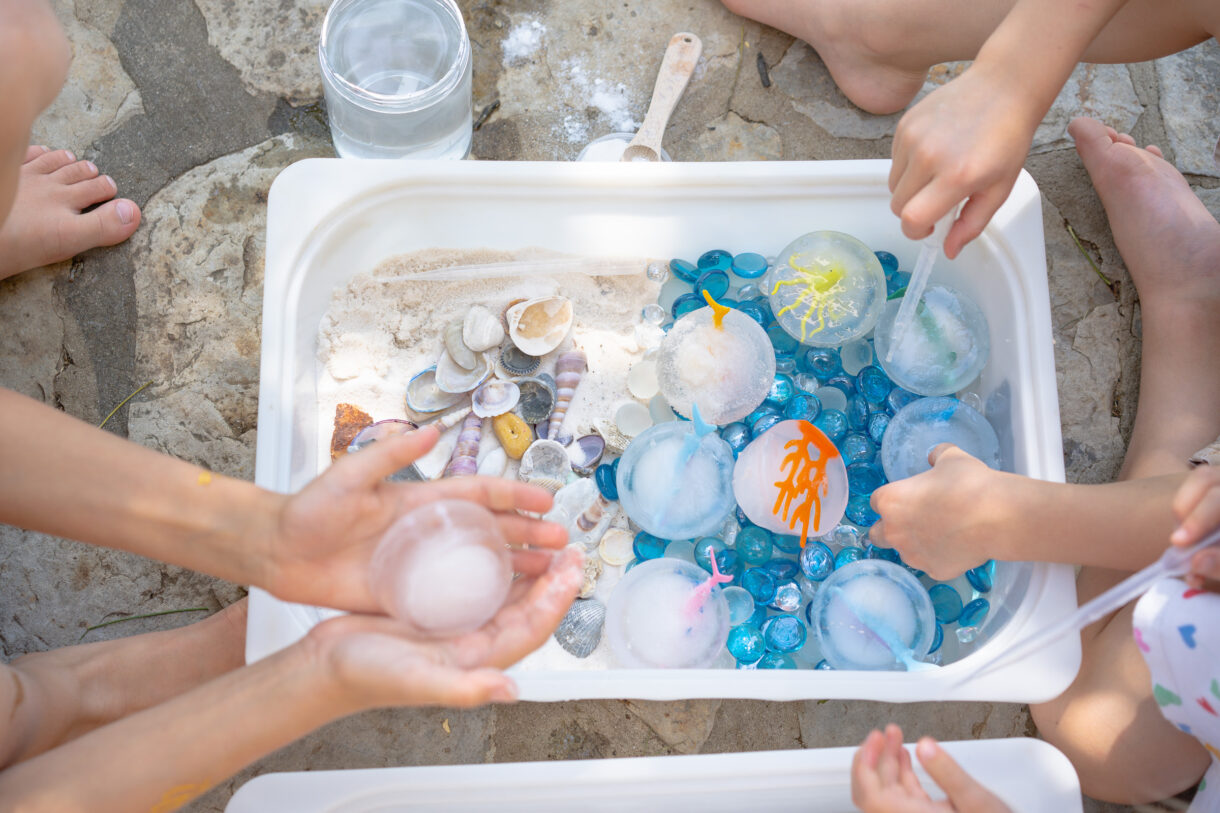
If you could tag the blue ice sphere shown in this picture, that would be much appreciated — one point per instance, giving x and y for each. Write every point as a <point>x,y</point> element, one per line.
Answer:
<point>844,382</point>
<point>823,362</point>
<point>857,413</point>
<point>776,660</point>
<point>946,603</point>
<point>746,643</point>
<point>687,303</point>
<point>982,578</point>
<point>898,398</point>
<point>747,292</point>
<point>760,583</point>
<point>647,546</point>
<point>872,551</point>
<point>878,422</point>
<point>857,448</point>
<point>785,365</point>
<point>749,265</point>
<point>783,569</point>
<point>864,478</point>
<point>784,344</point>
<point>847,556</point>
<point>889,263</point>
<point>922,425</point>
<point>604,476</point>
<point>717,258</point>
<point>781,392</point>
<point>765,423</point>
<point>741,604</point>
<point>715,282</point>
<point>817,561</point>
<point>937,639</point>
<point>784,633</point>
<point>833,424</point>
<point>802,407</point>
<point>860,512</point>
<point>786,543</point>
<point>787,597</point>
<point>755,311</point>
<point>945,345</point>
<point>974,613</point>
<point>706,548</point>
<point>683,270</point>
<point>737,435</point>
<point>754,545</point>
<point>873,384</point>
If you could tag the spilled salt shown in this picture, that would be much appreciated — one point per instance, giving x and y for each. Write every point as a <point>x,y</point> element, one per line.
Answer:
<point>522,42</point>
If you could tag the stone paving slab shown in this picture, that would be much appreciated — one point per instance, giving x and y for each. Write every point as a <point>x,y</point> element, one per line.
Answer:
<point>194,107</point>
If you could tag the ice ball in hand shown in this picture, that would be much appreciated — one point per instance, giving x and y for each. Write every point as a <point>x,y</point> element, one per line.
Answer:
<point>944,347</point>
<point>443,569</point>
<point>921,426</point>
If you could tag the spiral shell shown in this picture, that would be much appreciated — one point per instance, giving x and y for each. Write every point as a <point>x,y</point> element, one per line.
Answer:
<point>569,369</point>
<point>465,459</point>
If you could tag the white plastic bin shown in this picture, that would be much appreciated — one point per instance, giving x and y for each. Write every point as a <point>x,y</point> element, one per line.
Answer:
<point>1029,775</point>
<point>329,220</point>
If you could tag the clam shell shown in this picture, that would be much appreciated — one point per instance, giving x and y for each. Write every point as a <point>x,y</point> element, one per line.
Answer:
<point>424,396</point>
<point>545,460</point>
<point>462,355</point>
<point>538,326</point>
<point>580,631</point>
<point>494,397</point>
<point>514,363</point>
<point>585,453</point>
<point>537,399</point>
<point>451,377</point>
<point>481,329</point>
<point>617,547</point>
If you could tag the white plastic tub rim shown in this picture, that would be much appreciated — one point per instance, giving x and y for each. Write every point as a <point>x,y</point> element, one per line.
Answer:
<point>330,219</point>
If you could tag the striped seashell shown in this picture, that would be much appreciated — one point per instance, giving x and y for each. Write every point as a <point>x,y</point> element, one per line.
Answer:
<point>451,419</point>
<point>593,514</point>
<point>569,368</point>
<point>465,459</point>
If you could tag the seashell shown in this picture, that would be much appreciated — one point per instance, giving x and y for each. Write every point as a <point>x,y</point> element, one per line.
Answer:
<point>616,441</point>
<point>450,377</point>
<point>424,396</point>
<point>494,463</point>
<point>545,463</point>
<point>464,461</point>
<point>514,363</point>
<point>481,330</point>
<point>580,631</point>
<point>349,421</point>
<point>592,572</point>
<point>569,368</point>
<point>585,453</point>
<point>513,433</point>
<point>504,313</point>
<point>380,430</point>
<point>537,399</point>
<point>538,326</point>
<point>617,547</point>
<point>462,355</point>
<point>451,418</point>
<point>494,397</point>
<point>588,521</point>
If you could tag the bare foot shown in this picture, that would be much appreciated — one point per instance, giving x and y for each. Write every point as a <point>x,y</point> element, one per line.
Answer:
<point>848,41</point>
<point>46,223</point>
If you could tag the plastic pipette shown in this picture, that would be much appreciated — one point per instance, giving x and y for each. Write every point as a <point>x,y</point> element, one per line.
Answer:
<point>1173,562</point>
<point>885,633</point>
<point>929,247</point>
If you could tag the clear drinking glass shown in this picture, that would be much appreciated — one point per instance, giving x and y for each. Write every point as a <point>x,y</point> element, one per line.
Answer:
<point>396,74</point>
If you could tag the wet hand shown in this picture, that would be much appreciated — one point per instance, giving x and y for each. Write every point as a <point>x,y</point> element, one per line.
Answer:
<point>325,534</point>
<point>1197,507</point>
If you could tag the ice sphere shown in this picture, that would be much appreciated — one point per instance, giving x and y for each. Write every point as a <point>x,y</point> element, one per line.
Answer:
<point>726,370</point>
<point>665,614</point>
<point>866,611</point>
<point>443,569</point>
<point>792,480</point>
<point>826,288</point>
<point>945,345</point>
<point>676,484</point>
<point>922,425</point>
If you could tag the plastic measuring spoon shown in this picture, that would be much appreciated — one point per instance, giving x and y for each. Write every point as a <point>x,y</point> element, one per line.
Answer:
<point>1173,562</point>
<point>676,67</point>
<point>929,247</point>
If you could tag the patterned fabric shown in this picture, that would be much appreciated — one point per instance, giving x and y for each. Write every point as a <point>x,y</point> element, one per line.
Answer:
<point>1209,456</point>
<point>1176,631</point>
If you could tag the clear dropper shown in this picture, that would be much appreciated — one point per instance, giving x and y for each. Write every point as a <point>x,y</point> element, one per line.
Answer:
<point>929,247</point>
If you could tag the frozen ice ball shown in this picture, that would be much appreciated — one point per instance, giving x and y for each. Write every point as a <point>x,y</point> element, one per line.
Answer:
<point>922,425</point>
<point>657,619</point>
<point>943,349</point>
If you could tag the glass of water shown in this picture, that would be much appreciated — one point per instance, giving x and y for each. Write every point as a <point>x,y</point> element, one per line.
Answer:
<point>396,74</point>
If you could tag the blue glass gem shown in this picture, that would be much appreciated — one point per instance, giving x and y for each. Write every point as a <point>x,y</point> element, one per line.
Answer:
<point>737,435</point>
<point>788,544</point>
<point>937,639</point>
<point>848,555</point>
<point>754,545</point>
<point>833,423</point>
<point>898,398</point>
<point>706,548</point>
<point>749,265</point>
<point>982,578</point>
<point>878,422</point>
<point>802,407</point>
<point>647,546</point>
<point>742,519</point>
<point>873,384</point>
<point>807,383</point>
<point>889,263</point>
<point>864,478</point>
<point>896,282</point>
<point>783,343</point>
<point>784,633</point>
<point>787,597</point>
<point>764,423</point>
<point>748,291</point>
<point>730,564</point>
<point>844,382</point>
<point>776,660</point>
<point>760,616</point>
<point>715,282</point>
<point>783,569</point>
<point>746,643</point>
<point>760,583</point>
<point>627,567</point>
<point>717,258</point>
<point>817,561</point>
<point>857,413</point>
<point>785,365</point>
<point>607,482</point>
<point>764,409</point>
<point>687,303</point>
<point>857,448</point>
<point>741,604</point>
<point>683,270</point>
<point>823,666</point>
<point>974,613</point>
<point>860,512</point>
<point>756,312</point>
<point>823,362</point>
<point>782,390</point>
<point>878,552</point>
<point>945,602</point>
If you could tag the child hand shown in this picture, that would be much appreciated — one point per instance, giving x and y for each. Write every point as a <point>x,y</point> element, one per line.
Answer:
<point>939,521</point>
<point>369,663</point>
<point>883,781</point>
<point>325,535</point>
<point>967,139</point>
<point>1197,506</point>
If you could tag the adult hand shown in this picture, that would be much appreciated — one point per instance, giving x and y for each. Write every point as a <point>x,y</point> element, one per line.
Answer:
<point>943,521</point>
<point>1197,506</point>
<point>883,781</point>
<point>965,140</point>
<point>325,535</point>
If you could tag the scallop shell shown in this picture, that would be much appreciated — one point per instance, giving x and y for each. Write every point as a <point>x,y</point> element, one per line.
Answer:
<point>585,453</point>
<point>494,397</point>
<point>481,330</point>
<point>617,547</point>
<point>616,441</point>
<point>569,369</point>
<point>462,355</point>
<point>451,377</point>
<point>538,326</point>
<point>537,399</point>
<point>580,631</point>
<point>464,461</point>
<point>514,363</point>
<point>545,463</point>
<point>424,396</point>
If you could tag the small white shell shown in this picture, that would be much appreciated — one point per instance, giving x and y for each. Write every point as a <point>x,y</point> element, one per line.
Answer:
<point>545,463</point>
<point>495,397</point>
<point>617,547</point>
<point>462,355</point>
<point>538,326</point>
<point>450,377</point>
<point>494,463</point>
<point>481,329</point>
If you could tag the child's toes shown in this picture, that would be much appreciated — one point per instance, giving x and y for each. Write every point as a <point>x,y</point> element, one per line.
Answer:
<point>33,151</point>
<point>1155,150</point>
<point>107,225</point>
<point>75,172</point>
<point>48,162</point>
<point>91,191</point>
